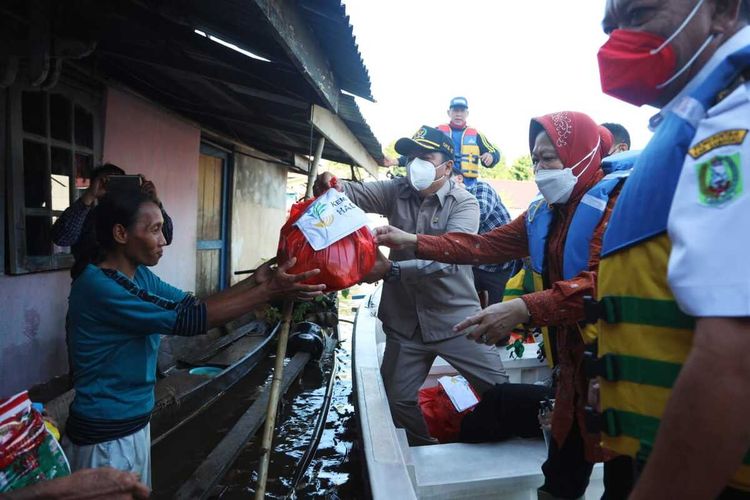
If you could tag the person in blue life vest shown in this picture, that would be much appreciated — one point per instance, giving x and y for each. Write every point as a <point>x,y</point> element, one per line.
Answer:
<point>673,290</point>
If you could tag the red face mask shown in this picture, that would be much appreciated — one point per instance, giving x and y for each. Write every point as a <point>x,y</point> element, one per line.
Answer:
<point>636,65</point>
<point>632,68</point>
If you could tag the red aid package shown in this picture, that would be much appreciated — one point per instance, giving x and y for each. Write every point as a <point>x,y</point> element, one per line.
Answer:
<point>328,233</point>
<point>442,419</point>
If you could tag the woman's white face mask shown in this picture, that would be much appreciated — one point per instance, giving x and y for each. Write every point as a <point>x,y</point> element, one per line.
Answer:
<point>556,185</point>
<point>421,173</point>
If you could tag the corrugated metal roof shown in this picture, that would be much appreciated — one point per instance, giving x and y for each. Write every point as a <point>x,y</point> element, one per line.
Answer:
<point>349,112</point>
<point>152,47</point>
<point>330,24</point>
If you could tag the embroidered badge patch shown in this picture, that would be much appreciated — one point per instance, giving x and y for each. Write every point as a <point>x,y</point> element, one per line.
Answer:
<point>725,138</point>
<point>719,180</point>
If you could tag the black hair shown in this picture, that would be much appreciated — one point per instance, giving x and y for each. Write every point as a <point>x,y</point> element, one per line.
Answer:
<point>117,207</point>
<point>106,169</point>
<point>619,132</point>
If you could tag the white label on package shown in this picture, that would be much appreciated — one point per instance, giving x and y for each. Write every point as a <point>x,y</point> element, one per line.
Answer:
<point>459,392</point>
<point>330,218</point>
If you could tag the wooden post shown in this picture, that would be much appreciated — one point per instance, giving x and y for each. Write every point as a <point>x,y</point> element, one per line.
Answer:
<point>313,173</point>
<point>278,369</point>
<point>273,400</point>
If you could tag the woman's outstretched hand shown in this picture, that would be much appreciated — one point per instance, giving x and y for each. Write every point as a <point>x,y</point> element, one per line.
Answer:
<point>494,324</point>
<point>395,238</point>
<point>280,284</point>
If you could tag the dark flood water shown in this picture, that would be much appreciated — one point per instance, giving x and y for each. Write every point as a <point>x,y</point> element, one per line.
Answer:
<point>336,469</point>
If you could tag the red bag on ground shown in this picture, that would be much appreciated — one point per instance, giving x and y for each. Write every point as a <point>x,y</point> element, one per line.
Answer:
<point>443,421</point>
<point>342,264</point>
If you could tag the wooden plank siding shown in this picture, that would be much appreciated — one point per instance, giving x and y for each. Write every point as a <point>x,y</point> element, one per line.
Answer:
<point>208,262</point>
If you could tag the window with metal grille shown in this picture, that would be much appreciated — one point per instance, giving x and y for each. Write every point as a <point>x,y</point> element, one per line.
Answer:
<point>54,143</point>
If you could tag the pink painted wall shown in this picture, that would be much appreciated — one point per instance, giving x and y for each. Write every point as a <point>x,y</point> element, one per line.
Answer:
<point>144,139</point>
<point>32,329</point>
<point>141,138</point>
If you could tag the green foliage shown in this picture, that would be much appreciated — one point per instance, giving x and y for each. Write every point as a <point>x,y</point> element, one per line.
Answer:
<point>342,170</point>
<point>345,293</point>
<point>390,152</point>
<point>273,315</point>
<point>499,171</point>
<point>519,170</point>
<point>300,311</point>
<point>516,349</point>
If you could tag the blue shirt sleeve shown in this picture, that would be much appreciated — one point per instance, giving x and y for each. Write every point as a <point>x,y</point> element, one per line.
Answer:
<point>135,308</point>
<point>130,312</point>
<point>153,284</point>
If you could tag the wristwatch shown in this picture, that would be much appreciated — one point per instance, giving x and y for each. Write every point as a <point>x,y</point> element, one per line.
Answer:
<point>394,274</point>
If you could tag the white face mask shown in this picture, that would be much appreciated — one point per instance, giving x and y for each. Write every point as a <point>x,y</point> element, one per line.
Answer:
<point>556,185</point>
<point>421,173</point>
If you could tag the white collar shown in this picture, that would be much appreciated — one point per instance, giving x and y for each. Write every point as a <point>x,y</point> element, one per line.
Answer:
<point>735,43</point>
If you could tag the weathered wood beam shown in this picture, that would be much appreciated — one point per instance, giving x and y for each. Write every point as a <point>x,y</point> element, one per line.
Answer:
<point>302,162</point>
<point>335,130</point>
<point>302,47</point>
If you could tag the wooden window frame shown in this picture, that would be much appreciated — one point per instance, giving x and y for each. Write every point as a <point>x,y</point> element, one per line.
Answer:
<point>211,148</point>
<point>4,159</point>
<point>91,99</point>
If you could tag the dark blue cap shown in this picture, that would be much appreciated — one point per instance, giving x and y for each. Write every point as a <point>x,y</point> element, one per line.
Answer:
<point>459,102</point>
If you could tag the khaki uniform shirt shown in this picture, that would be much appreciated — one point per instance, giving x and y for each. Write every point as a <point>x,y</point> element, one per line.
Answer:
<point>429,295</point>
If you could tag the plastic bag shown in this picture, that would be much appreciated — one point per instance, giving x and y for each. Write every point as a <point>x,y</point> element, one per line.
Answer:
<point>441,417</point>
<point>342,264</point>
<point>28,452</point>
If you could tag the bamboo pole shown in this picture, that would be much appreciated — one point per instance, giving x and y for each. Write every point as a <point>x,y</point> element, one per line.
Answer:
<point>313,173</point>
<point>273,400</point>
<point>278,369</point>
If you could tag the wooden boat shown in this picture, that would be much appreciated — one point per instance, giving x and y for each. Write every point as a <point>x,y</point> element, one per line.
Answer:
<point>231,351</point>
<point>509,469</point>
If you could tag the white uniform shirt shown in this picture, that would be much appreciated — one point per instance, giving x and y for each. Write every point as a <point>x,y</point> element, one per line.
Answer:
<point>709,221</point>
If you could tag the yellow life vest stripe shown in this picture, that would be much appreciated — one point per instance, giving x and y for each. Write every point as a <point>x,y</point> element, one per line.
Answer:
<point>635,340</point>
<point>520,284</point>
<point>630,397</point>
<point>627,423</point>
<point>636,398</point>
<point>652,255</point>
<point>548,351</point>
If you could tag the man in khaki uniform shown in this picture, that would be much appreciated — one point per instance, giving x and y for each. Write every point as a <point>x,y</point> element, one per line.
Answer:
<point>423,300</point>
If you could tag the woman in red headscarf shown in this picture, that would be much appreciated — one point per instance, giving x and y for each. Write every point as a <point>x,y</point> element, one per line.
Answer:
<point>566,150</point>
